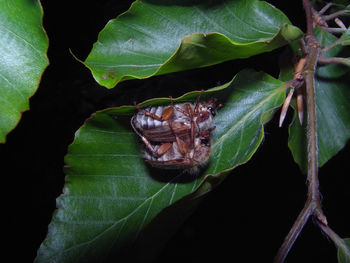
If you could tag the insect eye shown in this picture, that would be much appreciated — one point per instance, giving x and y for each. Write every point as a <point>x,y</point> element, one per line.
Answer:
<point>212,111</point>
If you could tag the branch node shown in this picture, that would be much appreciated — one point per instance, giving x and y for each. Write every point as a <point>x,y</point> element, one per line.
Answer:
<point>319,215</point>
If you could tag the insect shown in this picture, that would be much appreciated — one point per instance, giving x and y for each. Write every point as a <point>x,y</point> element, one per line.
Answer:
<point>196,156</point>
<point>175,123</point>
<point>176,136</point>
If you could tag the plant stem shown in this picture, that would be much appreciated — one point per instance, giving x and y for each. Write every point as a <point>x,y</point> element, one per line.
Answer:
<point>312,148</point>
<point>313,204</point>
<point>338,241</point>
<point>339,41</point>
<point>336,14</point>
<point>334,60</point>
<point>309,20</point>
<point>294,232</point>
<point>333,29</point>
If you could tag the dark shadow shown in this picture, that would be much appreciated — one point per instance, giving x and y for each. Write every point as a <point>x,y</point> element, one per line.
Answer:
<point>174,176</point>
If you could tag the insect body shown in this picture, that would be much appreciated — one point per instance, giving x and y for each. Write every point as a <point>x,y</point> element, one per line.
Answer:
<point>185,119</point>
<point>158,130</point>
<point>176,136</point>
<point>195,157</point>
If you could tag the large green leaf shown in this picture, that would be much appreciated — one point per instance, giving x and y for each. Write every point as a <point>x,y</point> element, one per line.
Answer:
<point>332,109</point>
<point>157,37</point>
<point>344,252</point>
<point>23,45</point>
<point>111,194</point>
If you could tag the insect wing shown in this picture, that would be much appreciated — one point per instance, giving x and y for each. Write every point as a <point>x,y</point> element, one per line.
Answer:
<point>167,134</point>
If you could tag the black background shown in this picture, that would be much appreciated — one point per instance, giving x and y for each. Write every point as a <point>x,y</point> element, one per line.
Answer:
<point>245,219</point>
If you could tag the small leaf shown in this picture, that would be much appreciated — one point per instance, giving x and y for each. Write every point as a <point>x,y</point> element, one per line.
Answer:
<point>332,109</point>
<point>158,37</point>
<point>346,37</point>
<point>23,45</point>
<point>111,194</point>
<point>344,252</point>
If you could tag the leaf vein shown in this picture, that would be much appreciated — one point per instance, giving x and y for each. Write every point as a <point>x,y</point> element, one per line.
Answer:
<point>176,23</point>
<point>113,225</point>
<point>244,22</point>
<point>172,195</point>
<point>12,85</point>
<point>205,17</point>
<point>245,117</point>
<point>23,39</point>
<point>144,217</point>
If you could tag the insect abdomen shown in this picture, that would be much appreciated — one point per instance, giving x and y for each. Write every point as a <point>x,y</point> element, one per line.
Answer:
<point>143,121</point>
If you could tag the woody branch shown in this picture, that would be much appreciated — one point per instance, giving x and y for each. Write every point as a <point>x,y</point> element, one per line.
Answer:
<point>313,205</point>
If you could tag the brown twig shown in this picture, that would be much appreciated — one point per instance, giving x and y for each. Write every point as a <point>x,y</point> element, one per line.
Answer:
<point>313,204</point>
<point>294,232</point>
<point>333,29</point>
<point>335,238</point>
<point>309,21</point>
<point>334,60</point>
<point>312,147</point>
<point>336,14</point>
<point>325,8</point>
<point>339,41</point>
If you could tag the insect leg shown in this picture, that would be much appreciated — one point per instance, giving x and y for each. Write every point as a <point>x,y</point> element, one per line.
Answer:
<point>197,102</point>
<point>182,111</point>
<point>206,134</point>
<point>147,113</point>
<point>182,145</point>
<point>166,114</point>
<point>194,125</point>
<point>162,149</point>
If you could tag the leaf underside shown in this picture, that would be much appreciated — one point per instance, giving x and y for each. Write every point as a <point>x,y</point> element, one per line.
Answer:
<point>23,45</point>
<point>111,194</point>
<point>158,37</point>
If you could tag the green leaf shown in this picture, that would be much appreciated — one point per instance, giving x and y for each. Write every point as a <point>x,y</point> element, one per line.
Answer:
<point>111,194</point>
<point>158,37</point>
<point>344,252</point>
<point>23,45</point>
<point>332,109</point>
<point>346,37</point>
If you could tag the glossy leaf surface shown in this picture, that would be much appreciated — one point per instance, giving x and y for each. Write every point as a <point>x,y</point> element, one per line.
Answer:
<point>111,194</point>
<point>332,109</point>
<point>23,45</point>
<point>158,37</point>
